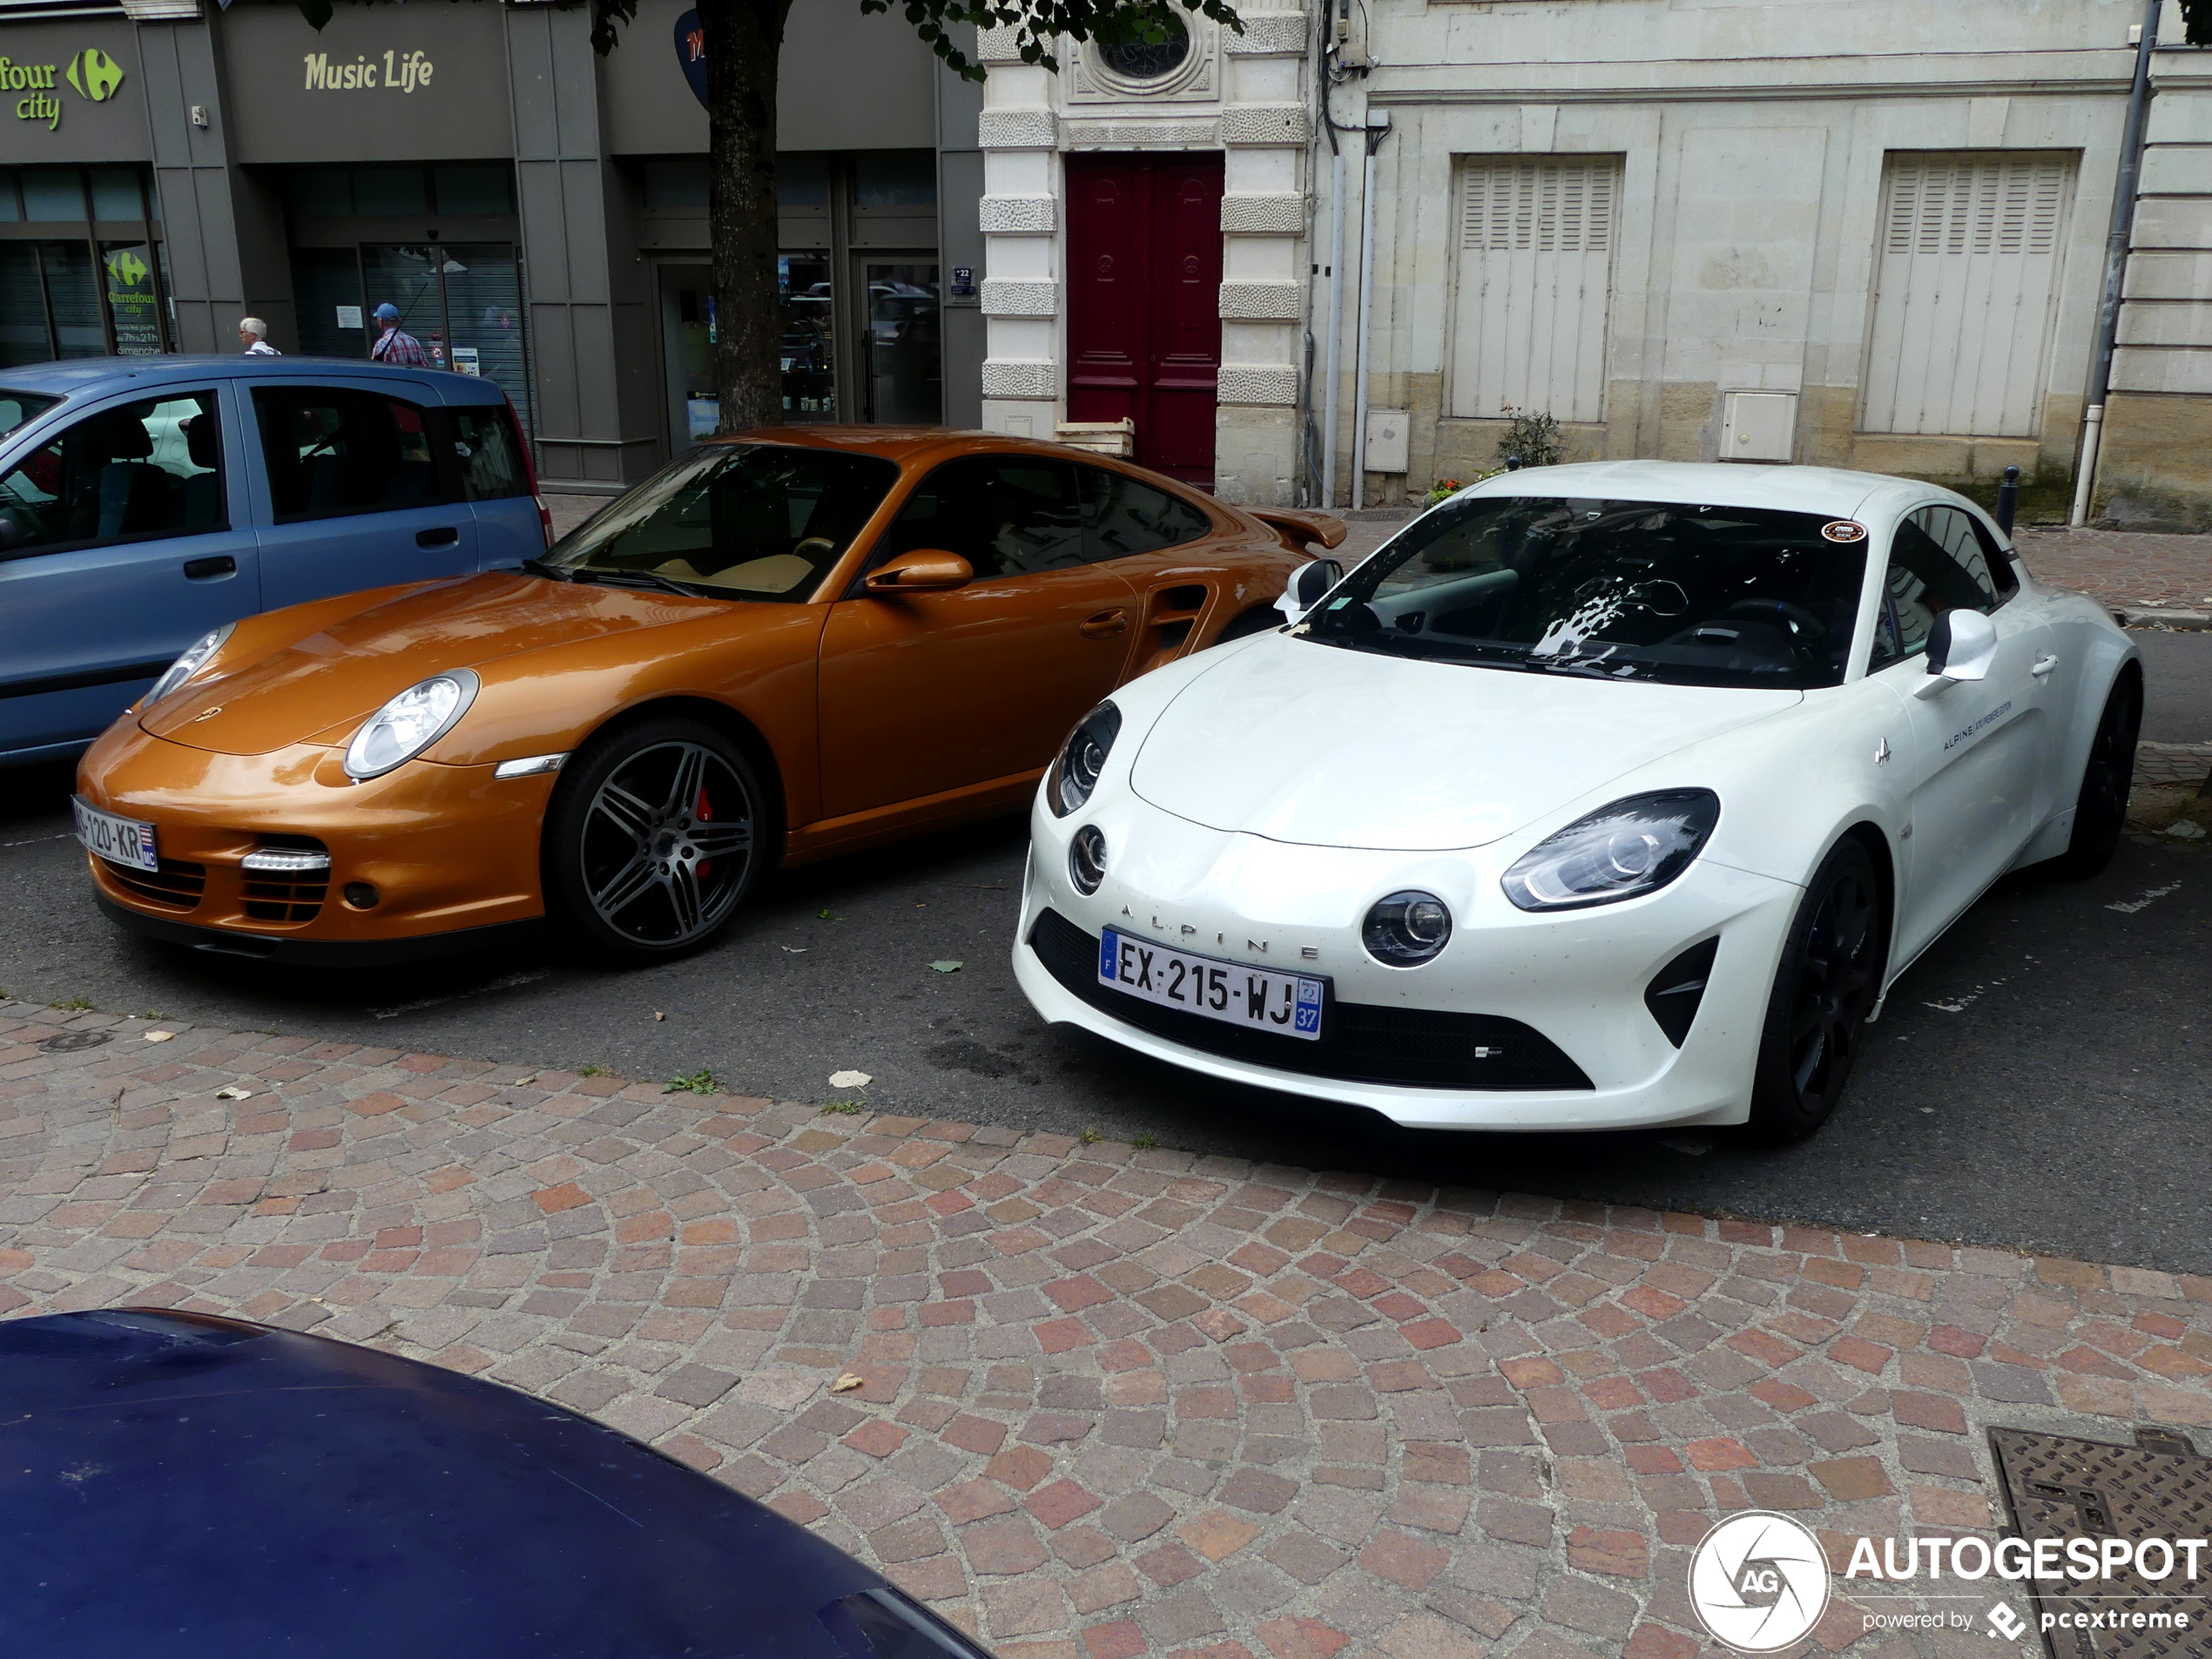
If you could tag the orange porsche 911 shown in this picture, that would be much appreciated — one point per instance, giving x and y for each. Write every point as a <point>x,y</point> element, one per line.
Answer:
<point>786,646</point>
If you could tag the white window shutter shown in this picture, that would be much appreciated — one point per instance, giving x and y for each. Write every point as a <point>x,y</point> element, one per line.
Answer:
<point>1965,284</point>
<point>1536,236</point>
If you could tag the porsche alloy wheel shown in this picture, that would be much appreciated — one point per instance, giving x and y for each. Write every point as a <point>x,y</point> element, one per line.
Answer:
<point>1830,976</point>
<point>653,840</point>
<point>2101,810</point>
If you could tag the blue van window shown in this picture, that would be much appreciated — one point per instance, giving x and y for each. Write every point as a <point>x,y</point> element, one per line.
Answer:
<point>142,469</point>
<point>332,451</point>
<point>491,462</point>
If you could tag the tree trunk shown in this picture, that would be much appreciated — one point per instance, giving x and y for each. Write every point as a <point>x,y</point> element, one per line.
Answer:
<point>744,40</point>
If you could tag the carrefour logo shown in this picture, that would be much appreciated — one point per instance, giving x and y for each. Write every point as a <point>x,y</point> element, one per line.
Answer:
<point>91,74</point>
<point>95,75</point>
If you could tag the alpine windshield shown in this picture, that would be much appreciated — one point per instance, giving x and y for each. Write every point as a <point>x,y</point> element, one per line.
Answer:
<point>741,521</point>
<point>1614,589</point>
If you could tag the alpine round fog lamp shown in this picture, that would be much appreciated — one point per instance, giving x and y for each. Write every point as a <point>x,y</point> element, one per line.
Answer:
<point>1081,758</point>
<point>191,663</point>
<point>1087,859</point>
<point>410,723</point>
<point>1406,928</point>
<point>1631,847</point>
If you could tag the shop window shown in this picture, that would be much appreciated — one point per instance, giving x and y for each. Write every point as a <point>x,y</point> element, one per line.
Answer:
<point>133,304</point>
<point>675,184</point>
<point>802,181</point>
<point>72,298</point>
<point>895,180</point>
<point>144,469</point>
<point>321,193</point>
<point>115,193</point>
<point>905,357</point>
<point>53,194</point>
<point>22,307</point>
<point>333,453</point>
<point>393,192</point>
<point>806,309</point>
<point>479,190</point>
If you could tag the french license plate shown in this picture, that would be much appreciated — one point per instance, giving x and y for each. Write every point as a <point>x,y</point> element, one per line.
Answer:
<point>1288,1004</point>
<point>120,841</point>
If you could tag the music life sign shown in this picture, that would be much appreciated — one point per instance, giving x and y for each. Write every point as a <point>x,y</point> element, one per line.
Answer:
<point>397,72</point>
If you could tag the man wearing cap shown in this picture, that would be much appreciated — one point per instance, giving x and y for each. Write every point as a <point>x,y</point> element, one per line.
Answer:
<point>253,334</point>
<point>396,345</point>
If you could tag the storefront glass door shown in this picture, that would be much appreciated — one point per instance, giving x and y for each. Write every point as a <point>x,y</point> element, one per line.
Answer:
<point>905,358</point>
<point>464,301</point>
<point>807,346</point>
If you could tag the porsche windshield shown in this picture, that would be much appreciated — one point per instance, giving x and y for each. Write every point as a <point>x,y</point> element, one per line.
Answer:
<point>744,520</point>
<point>1614,590</point>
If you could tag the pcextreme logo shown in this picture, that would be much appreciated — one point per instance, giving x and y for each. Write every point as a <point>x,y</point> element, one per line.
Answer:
<point>91,74</point>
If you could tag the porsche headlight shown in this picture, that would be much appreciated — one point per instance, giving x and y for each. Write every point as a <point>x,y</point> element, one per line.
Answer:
<point>410,723</point>
<point>1076,773</point>
<point>1633,846</point>
<point>191,663</point>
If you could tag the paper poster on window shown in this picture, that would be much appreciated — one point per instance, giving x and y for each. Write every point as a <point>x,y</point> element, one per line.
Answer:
<point>130,300</point>
<point>464,360</point>
<point>349,316</point>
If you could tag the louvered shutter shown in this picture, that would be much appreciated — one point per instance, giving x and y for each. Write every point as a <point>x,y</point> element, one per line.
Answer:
<point>1536,236</point>
<point>1967,273</point>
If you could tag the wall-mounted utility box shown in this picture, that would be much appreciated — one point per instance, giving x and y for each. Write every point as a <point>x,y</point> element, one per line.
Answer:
<point>1759,426</point>
<point>1389,434</point>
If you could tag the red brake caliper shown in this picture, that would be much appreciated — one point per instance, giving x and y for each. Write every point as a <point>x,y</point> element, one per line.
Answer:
<point>703,812</point>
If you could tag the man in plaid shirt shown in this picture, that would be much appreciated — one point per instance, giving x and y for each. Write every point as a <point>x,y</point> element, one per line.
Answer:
<point>396,345</point>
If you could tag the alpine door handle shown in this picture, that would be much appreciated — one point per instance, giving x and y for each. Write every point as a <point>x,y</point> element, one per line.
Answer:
<point>1104,625</point>
<point>445,535</point>
<point>206,569</point>
<point>2043,666</point>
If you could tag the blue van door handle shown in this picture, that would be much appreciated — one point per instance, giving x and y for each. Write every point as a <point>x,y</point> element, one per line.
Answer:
<point>442,537</point>
<point>208,569</point>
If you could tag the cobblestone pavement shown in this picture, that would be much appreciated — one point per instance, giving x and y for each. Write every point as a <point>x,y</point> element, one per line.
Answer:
<point>1113,1402</point>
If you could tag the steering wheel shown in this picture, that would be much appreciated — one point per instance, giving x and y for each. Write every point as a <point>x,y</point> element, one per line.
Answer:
<point>1765,609</point>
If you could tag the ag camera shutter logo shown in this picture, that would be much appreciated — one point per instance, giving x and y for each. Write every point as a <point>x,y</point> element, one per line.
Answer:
<point>1759,1583</point>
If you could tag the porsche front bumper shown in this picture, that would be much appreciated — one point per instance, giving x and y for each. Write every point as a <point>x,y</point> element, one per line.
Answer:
<point>1547,1011</point>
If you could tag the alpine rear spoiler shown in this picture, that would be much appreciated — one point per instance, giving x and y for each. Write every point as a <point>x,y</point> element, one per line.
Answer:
<point>1299,527</point>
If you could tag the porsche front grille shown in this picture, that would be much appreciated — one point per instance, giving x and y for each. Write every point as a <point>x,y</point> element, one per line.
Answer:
<point>1368,1043</point>
<point>284,900</point>
<point>175,886</point>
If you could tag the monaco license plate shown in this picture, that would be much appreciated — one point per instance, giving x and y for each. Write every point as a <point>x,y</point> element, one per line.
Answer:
<point>1290,1005</point>
<point>119,840</point>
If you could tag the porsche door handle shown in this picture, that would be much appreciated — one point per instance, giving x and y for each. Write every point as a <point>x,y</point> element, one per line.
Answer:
<point>1104,625</point>
<point>2042,667</point>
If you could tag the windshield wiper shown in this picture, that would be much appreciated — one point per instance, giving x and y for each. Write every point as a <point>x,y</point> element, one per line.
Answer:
<point>551,572</point>
<point>643,578</point>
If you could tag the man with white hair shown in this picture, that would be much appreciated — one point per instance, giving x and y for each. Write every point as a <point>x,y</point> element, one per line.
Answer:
<point>253,334</point>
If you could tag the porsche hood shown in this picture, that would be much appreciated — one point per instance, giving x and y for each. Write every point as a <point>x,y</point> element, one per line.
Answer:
<point>341,673</point>
<point>1309,744</point>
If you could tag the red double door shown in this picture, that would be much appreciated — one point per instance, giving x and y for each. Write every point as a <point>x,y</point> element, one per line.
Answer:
<point>1143,302</point>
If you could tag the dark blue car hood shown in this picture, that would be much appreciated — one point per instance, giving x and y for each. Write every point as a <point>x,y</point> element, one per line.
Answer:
<point>182,1486</point>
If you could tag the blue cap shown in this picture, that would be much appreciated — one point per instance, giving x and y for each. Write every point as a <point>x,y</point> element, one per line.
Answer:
<point>386,313</point>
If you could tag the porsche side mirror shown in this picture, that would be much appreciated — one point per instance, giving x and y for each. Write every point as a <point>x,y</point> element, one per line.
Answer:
<point>1308,583</point>
<point>926,570</point>
<point>1960,647</point>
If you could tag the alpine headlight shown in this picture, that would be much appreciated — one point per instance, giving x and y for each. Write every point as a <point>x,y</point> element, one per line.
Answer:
<point>1633,846</point>
<point>1076,773</point>
<point>410,723</point>
<point>191,663</point>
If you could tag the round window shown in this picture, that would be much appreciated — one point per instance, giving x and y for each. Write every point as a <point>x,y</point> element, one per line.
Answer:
<point>1147,60</point>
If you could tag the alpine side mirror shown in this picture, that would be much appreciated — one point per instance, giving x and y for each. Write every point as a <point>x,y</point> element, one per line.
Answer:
<point>1308,583</point>
<point>926,570</point>
<point>1960,646</point>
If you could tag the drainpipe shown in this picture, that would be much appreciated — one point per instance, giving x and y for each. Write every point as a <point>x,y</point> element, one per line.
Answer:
<point>2123,223</point>
<point>1332,352</point>
<point>1378,130</point>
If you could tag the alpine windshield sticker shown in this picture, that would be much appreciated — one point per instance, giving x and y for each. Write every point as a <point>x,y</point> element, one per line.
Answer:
<point>1844,530</point>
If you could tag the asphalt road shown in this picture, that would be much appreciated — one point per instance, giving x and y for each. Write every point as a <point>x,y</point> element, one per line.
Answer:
<point>2038,1080</point>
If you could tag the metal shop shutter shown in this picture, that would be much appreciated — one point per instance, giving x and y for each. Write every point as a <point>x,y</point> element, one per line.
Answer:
<point>1967,273</point>
<point>1536,236</point>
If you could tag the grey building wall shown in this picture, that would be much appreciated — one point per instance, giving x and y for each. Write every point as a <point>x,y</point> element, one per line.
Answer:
<point>959,196</point>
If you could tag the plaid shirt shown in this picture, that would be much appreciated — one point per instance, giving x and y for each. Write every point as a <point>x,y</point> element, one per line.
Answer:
<point>400,348</point>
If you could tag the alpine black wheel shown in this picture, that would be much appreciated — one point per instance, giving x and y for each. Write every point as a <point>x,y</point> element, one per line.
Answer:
<point>653,839</point>
<point>2101,810</point>
<point>1830,976</point>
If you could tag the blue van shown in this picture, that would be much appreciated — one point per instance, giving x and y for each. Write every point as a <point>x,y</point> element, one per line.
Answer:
<point>146,501</point>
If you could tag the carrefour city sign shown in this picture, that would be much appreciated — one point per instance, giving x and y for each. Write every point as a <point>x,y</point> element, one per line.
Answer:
<point>92,75</point>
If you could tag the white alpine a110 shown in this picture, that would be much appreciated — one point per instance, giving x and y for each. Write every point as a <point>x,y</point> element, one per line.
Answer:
<point>1601,796</point>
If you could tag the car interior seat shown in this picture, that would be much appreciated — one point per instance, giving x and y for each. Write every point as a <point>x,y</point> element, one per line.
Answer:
<point>134,493</point>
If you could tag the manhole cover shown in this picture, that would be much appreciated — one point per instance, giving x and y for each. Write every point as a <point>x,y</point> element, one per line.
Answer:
<point>70,1042</point>
<point>2060,1487</point>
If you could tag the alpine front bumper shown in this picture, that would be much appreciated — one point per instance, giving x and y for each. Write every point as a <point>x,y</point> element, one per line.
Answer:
<point>1547,1011</point>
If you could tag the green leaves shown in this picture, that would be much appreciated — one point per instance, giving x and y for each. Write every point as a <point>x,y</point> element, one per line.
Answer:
<point>700,1083</point>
